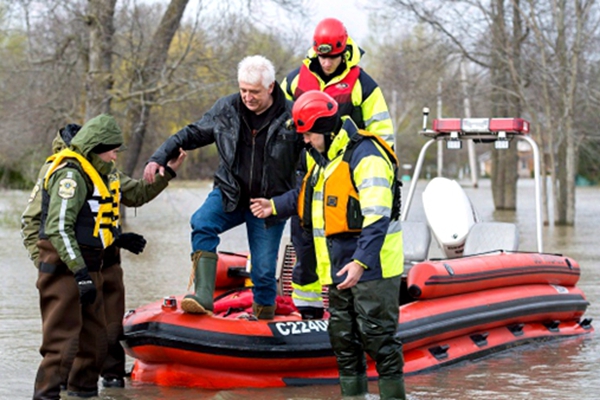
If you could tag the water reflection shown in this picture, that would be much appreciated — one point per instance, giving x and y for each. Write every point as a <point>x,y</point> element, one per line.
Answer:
<point>557,370</point>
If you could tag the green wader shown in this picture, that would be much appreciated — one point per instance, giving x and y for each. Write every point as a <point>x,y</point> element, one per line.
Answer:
<point>392,388</point>
<point>354,385</point>
<point>363,320</point>
<point>204,271</point>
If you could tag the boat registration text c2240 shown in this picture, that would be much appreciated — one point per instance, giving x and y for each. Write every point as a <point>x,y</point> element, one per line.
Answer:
<point>300,327</point>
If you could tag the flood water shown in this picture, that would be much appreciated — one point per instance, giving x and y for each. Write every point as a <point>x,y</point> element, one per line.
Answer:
<point>565,369</point>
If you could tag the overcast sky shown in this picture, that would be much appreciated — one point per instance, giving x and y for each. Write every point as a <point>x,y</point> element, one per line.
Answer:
<point>347,11</point>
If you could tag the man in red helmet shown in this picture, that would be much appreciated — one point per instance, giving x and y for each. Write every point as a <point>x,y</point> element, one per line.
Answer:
<point>331,66</point>
<point>349,201</point>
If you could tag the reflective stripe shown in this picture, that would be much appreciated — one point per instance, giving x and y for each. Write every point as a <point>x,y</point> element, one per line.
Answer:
<point>378,117</point>
<point>319,233</point>
<point>318,196</point>
<point>394,227</point>
<point>388,138</point>
<point>377,210</point>
<point>61,224</point>
<point>94,206</point>
<point>374,182</point>
<point>307,303</point>
<point>309,299</point>
<point>308,295</point>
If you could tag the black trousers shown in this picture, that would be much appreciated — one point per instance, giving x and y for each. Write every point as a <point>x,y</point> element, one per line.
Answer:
<point>364,319</point>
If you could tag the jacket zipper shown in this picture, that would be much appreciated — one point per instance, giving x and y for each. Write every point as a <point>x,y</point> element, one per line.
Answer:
<point>254,135</point>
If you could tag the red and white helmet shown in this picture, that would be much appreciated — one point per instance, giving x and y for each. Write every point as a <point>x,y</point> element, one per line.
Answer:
<point>310,107</point>
<point>330,37</point>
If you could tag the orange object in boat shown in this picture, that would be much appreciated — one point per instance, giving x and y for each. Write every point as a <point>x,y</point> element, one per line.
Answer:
<point>431,279</point>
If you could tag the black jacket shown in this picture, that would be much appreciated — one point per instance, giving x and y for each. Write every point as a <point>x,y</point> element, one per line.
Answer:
<point>222,125</point>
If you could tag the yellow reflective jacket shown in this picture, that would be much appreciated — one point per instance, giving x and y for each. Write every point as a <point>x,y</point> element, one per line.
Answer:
<point>351,203</point>
<point>356,92</point>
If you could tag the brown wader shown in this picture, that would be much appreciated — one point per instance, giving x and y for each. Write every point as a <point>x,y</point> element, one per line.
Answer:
<point>72,335</point>
<point>113,293</point>
<point>114,309</point>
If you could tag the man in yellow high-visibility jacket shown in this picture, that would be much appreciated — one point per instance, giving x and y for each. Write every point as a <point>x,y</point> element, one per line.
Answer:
<point>349,201</point>
<point>331,66</point>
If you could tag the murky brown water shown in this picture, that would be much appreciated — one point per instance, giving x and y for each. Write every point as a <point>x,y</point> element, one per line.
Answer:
<point>566,369</point>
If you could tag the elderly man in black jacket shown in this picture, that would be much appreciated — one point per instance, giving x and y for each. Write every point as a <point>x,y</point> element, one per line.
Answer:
<point>258,157</point>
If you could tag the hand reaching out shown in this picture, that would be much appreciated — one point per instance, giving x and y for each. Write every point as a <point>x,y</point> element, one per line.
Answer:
<point>261,208</point>
<point>153,167</point>
<point>175,163</point>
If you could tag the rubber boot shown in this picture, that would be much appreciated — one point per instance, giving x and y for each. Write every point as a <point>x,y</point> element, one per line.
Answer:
<point>354,385</point>
<point>263,312</point>
<point>204,271</point>
<point>392,389</point>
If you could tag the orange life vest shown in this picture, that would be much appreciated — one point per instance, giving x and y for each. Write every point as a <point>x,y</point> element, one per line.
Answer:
<point>342,212</point>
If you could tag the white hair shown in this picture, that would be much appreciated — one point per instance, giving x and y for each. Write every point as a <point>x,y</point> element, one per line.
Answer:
<point>255,70</point>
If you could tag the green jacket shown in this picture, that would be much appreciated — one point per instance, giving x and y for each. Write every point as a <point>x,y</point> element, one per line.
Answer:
<point>134,193</point>
<point>31,218</point>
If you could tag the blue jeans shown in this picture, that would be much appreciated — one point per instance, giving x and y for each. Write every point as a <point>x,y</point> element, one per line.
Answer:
<point>210,220</point>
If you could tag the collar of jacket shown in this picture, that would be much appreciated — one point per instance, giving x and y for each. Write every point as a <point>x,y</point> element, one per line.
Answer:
<point>342,138</point>
<point>104,168</point>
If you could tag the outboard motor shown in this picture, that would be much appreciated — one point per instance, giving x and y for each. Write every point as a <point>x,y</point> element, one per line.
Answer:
<point>450,215</point>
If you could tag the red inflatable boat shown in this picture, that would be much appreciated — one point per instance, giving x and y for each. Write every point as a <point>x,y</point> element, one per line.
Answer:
<point>232,349</point>
<point>483,298</point>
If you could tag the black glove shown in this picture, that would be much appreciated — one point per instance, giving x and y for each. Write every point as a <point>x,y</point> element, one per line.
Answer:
<point>85,284</point>
<point>131,241</point>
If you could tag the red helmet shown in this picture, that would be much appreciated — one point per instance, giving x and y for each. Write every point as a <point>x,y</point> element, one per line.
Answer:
<point>330,37</point>
<point>311,106</point>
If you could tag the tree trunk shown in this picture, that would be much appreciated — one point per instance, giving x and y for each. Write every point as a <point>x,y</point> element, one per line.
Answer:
<point>567,153</point>
<point>504,162</point>
<point>99,80</point>
<point>148,78</point>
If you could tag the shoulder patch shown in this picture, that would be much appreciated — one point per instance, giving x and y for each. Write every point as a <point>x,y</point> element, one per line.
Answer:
<point>66,189</point>
<point>34,191</point>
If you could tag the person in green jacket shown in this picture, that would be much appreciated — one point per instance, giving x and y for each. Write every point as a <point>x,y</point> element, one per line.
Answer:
<point>113,289</point>
<point>30,219</point>
<point>79,223</point>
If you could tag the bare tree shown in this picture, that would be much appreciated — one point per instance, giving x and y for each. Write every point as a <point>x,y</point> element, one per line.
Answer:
<point>562,33</point>
<point>40,79</point>
<point>478,32</point>
<point>147,80</point>
<point>99,80</point>
<point>409,67</point>
<point>525,68</point>
<point>504,162</point>
<point>64,61</point>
